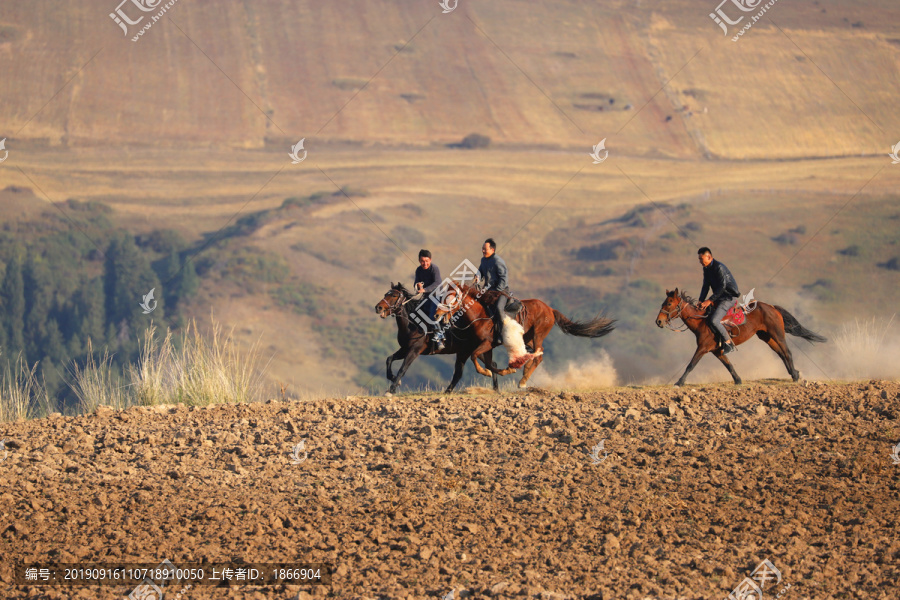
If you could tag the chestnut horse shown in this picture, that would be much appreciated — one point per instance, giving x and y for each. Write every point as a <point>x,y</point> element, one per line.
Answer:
<point>769,323</point>
<point>415,342</point>
<point>465,309</point>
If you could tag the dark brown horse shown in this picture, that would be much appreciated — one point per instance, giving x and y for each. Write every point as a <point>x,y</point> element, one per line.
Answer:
<point>466,311</point>
<point>767,322</point>
<point>415,342</point>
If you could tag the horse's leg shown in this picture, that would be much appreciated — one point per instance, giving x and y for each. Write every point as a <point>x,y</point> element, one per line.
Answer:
<point>784,353</point>
<point>724,360</point>
<point>401,353</point>
<point>461,359</point>
<point>504,372</point>
<point>537,338</point>
<point>412,354</point>
<point>530,366</point>
<point>488,359</point>
<point>698,354</point>
<point>491,371</point>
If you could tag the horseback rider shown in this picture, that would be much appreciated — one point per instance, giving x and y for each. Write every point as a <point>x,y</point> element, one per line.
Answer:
<point>494,276</point>
<point>428,278</point>
<point>718,279</point>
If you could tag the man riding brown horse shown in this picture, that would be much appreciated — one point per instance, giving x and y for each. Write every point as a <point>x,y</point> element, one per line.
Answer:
<point>494,276</point>
<point>464,307</point>
<point>413,341</point>
<point>767,322</point>
<point>718,279</point>
<point>428,279</point>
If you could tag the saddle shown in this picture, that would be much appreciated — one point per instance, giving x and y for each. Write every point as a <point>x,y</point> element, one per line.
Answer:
<point>737,314</point>
<point>515,308</point>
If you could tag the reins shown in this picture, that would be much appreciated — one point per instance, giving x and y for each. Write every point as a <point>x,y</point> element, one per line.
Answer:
<point>399,303</point>
<point>675,313</point>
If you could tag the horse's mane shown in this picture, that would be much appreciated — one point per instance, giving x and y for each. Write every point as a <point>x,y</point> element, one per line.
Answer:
<point>402,289</point>
<point>689,299</point>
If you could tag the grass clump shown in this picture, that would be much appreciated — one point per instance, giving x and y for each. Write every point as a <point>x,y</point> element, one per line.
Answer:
<point>191,368</point>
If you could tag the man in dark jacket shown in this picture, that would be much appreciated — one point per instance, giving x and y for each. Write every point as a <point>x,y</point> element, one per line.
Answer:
<point>428,278</point>
<point>494,275</point>
<point>718,279</point>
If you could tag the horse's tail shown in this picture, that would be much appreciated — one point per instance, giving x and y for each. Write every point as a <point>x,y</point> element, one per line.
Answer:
<point>793,327</point>
<point>593,329</point>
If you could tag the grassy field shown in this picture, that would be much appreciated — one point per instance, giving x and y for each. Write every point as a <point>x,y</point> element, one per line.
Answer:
<point>773,151</point>
<point>543,207</point>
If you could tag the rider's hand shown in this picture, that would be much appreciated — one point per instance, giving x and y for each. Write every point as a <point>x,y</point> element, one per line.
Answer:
<point>705,303</point>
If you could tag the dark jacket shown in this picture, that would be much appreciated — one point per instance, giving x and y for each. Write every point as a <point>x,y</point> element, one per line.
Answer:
<point>718,278</point>
<point>431,277</point>
<point>494,275</point>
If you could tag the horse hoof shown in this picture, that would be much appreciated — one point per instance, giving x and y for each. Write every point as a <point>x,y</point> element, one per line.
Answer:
<point>388,394</point>
<point>522,386</point>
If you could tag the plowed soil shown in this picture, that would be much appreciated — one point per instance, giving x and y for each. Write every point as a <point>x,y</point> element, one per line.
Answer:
<point>488,495</point>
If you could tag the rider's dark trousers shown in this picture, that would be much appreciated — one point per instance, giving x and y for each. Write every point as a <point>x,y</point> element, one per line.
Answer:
<point>720,308</point>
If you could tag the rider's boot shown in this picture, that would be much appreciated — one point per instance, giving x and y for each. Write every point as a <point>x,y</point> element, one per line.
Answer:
<point>728,347</point>
<point>438,339</point>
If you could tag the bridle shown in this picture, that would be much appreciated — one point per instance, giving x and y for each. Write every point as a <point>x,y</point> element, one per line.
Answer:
<point>395,306</point>
<point>675,313</point>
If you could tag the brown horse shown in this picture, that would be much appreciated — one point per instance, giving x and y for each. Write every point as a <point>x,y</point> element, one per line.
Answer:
<point>465,309</point>
<point>769,323</point>
<point>415,342</point>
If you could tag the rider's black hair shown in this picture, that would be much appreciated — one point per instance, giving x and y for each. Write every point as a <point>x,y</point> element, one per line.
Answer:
<point>490,242</point>
<point>704,250</point>
<point>423,253</point>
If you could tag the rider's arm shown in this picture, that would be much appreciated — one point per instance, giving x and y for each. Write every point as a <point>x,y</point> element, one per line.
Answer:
<point>481,283</point>
<point>437,279</point>
<point>502,275</point>
<point>705,290</point>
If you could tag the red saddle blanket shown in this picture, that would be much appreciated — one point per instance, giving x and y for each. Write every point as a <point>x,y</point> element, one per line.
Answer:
<point>735,315</point>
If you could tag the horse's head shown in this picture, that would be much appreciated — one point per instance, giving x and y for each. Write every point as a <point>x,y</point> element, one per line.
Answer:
<point>392,301</point>
<point>670,308</point>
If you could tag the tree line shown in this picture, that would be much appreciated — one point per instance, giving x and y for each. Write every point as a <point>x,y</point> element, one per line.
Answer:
<point>72,287</point>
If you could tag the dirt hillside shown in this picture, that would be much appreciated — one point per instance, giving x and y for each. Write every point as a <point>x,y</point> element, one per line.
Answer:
<point>414,496</point>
